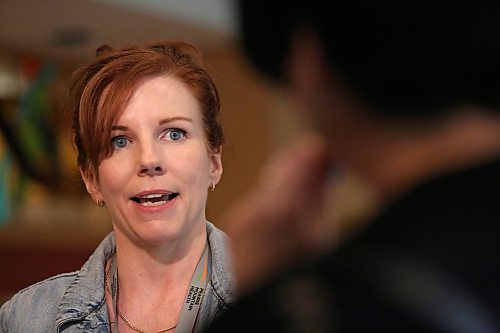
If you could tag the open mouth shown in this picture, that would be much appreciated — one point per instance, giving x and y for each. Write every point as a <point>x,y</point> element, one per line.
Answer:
<point>156,199</point>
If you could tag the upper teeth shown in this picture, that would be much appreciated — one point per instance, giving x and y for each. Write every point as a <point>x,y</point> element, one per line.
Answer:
<point>152,196</point>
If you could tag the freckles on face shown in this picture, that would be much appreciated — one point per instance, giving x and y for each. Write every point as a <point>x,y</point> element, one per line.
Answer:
<point>160,169</point>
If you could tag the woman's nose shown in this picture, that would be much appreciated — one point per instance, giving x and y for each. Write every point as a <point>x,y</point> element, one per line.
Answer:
<point>151,162</point>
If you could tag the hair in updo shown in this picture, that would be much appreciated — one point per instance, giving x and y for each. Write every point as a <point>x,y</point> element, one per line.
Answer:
<point>102,88</point>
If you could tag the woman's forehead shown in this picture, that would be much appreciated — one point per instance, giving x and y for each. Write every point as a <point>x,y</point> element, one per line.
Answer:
<point>163,97</point>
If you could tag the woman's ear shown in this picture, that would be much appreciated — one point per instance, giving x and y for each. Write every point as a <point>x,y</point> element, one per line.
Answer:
<point>215,168</point>
<point>91,185</point>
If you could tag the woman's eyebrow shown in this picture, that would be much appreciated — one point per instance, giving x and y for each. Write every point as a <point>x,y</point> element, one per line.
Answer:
<point>119,128</point>
<point>161,122</point>
<point>171,119</point>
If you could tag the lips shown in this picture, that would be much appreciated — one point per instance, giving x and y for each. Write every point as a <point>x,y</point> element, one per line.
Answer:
<point>154,199</point>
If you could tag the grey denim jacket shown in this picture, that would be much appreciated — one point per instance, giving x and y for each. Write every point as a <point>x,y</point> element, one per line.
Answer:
<point>74,302</point>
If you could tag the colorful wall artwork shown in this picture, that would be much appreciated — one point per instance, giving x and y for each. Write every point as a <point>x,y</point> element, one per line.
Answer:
<point>32,128</point>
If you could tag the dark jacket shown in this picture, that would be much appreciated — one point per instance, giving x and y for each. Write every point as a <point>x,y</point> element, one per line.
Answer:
<point>429,263</point>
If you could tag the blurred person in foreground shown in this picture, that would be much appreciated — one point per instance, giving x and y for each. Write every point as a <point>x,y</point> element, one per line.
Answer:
<point>407,96</point>
<point>146,129</point>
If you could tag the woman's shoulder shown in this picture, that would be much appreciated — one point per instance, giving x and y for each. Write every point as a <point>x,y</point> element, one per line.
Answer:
<point>36,304</point>
<point>52,285</point>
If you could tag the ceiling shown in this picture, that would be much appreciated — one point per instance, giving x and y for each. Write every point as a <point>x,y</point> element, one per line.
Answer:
<point>73,29</point>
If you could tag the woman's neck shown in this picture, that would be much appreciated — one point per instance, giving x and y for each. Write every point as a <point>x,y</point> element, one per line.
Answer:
<point>165,265</point>
<point>153,281</point>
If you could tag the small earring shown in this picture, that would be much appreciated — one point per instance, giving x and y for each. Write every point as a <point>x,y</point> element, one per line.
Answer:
<point>100,203</point>
<point>213,187</point>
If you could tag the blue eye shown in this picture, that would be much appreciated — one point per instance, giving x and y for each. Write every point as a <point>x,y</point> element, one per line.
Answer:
<point>175,134</point>
<point>119,142</point>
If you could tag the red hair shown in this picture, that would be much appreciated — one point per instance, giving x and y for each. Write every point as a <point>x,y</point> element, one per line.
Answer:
<point>102,88</point>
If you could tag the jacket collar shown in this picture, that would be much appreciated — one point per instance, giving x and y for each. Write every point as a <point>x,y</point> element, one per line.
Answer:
<point>222,277</point>
<point>84,298</point>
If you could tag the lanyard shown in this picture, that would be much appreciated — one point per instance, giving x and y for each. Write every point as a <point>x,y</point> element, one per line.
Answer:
<point>193,299</point>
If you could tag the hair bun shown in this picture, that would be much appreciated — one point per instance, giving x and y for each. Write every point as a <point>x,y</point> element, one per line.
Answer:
<point>103,49</point>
